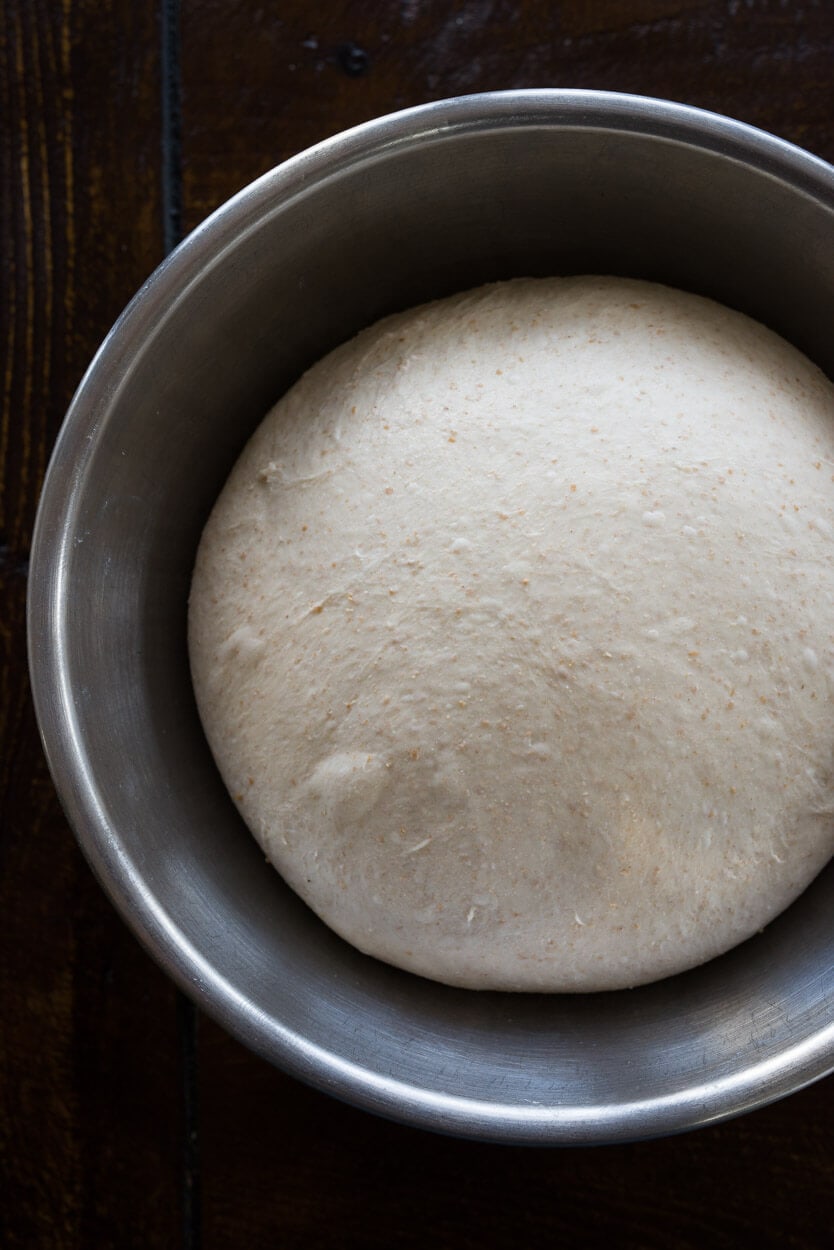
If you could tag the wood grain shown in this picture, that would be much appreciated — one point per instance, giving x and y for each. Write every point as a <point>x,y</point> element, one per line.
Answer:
<point>89,1086</point>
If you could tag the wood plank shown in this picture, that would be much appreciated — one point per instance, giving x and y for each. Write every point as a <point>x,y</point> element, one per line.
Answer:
<point>283,1164</point>
<point>89,1083</point>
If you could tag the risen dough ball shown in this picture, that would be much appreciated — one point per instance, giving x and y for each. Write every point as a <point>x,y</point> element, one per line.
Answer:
<point>512,634</point>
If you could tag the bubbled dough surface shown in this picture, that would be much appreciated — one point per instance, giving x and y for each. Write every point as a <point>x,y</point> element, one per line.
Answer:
<point>512,634</point>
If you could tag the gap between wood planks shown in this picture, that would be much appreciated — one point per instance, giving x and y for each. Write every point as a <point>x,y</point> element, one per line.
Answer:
<point>187,1016</point>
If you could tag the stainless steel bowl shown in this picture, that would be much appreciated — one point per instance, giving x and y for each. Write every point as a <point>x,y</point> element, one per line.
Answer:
<point>398,211</point>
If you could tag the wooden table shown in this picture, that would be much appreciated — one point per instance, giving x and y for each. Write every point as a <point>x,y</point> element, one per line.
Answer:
<point>124,1120</point>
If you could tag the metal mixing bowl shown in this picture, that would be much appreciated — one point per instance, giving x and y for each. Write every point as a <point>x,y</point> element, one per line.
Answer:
<point>398,211</point>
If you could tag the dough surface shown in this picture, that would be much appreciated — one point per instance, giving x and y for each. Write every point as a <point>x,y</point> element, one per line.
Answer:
<point>512,634</point>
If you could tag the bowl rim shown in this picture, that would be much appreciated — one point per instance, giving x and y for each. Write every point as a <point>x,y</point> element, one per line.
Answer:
<point>47,619</point>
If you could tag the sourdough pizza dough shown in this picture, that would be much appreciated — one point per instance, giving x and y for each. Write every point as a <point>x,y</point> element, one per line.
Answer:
<point>512,634</point>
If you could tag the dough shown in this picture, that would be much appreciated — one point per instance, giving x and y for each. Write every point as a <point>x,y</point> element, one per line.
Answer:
<point>512,634</point>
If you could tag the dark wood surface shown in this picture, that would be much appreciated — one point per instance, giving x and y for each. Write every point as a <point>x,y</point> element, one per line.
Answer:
<point>121,1122</point>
